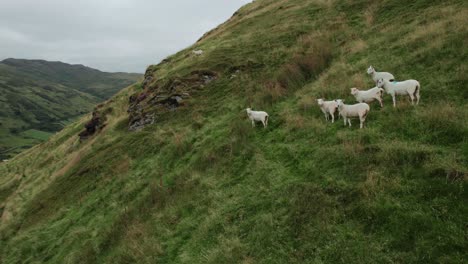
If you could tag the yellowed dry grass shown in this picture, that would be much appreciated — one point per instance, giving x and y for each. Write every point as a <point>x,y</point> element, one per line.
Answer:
<point>258,8</point>
<point>123,166</point>
<point>369,15</point>
<point>274,90</point>
<point>440,21</point>
<point>442,113</point>
<point>325,3</point>
<point>359,81</point>
<point>334,83</point>
<point>307,102</point>
<point>357,46</point>
<point>376,183</point>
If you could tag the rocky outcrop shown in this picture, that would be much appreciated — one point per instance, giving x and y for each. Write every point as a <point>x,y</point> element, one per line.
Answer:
<point>147,81</point>
<point>91,126</point>
<point>139,122</point>
<point>96,123</point>
<point>155,99</point>
<point>148,78</point>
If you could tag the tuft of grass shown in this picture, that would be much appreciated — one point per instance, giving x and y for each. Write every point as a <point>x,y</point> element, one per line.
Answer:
<point>306,65</point>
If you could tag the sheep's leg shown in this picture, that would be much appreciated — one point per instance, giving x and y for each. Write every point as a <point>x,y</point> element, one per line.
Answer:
<point>326,116</point>
<point>264,125</point>
<point>380,101</point>
<point>412,99</point>
<point>349,122</point>
<point>253,123</point>
<point>417,94</point>
<point>362,122</point>
<point>333,117</point>
<point>344,118</point>
<point>394,100</point>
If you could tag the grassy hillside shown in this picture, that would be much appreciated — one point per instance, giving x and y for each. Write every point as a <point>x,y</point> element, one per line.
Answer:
<point>39,97</point>
<point>199,185</point>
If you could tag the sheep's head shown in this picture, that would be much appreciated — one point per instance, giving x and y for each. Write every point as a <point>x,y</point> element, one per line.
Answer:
<point>354,91</point>
<point>371,70</point>
<point>248,110</point>
<point>320,101</point>
<point>380,83</point>
<point>339,102</point>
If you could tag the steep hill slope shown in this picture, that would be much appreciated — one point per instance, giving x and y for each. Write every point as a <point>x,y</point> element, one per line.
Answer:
<point>197,184</point>
<point>38,97</point>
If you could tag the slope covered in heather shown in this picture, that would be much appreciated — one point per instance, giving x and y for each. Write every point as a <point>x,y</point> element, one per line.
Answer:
<point>195,183</point>
<point>39,97</point>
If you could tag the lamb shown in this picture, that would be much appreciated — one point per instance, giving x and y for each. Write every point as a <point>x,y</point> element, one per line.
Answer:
<point>408,87</point>
<point>258,116</point>
<point>379,75</point>
<point>328,108</point>
<point>368,96</point>
<point>198,52</point>
<point>357,110</point>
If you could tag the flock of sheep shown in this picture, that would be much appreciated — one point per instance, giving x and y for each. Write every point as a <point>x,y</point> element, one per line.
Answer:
<point>385,83</point>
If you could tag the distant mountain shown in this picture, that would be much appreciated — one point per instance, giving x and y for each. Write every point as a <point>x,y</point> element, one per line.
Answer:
<point>38,97</point>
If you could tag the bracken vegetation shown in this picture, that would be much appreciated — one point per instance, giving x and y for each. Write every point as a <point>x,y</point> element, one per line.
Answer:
<point>199,185</point>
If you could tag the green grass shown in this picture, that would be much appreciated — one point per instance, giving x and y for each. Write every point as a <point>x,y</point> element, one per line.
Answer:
<point>36,134</point>
<point>201,186</point>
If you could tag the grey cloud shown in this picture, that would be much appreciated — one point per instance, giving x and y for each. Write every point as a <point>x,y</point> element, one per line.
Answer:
<point>112,35</point>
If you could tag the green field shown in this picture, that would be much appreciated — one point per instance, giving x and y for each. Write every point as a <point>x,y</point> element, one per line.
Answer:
<point>39,95</point>
<point>36,134</point>
<point>200,185</point>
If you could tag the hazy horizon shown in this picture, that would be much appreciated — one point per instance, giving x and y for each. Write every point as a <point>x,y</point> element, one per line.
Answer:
<point>116,36</point>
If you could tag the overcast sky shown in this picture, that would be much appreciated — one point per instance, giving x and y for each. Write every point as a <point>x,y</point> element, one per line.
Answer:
<point>110,35</point>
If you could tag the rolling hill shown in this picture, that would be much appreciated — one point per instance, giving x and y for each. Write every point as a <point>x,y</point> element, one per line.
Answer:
<point>39,97</point>
<point>174,172</point>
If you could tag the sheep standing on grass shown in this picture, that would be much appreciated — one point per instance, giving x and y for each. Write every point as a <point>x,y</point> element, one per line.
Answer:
<point>357,110</point>
<point>260,116</point>
<point>197,52</point>
<point>408,87</point>
<point>328,108</point>
<point>368,96</point>
<point>376,76</point>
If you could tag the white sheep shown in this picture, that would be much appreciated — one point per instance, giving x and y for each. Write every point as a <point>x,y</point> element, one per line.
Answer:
<point>379,75</point>
<point>198,52</point>
<point>368,96</point>
<point>408,87</point>
<point>357,110</point>
<point>260,116</point>
<point>328,108</point>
